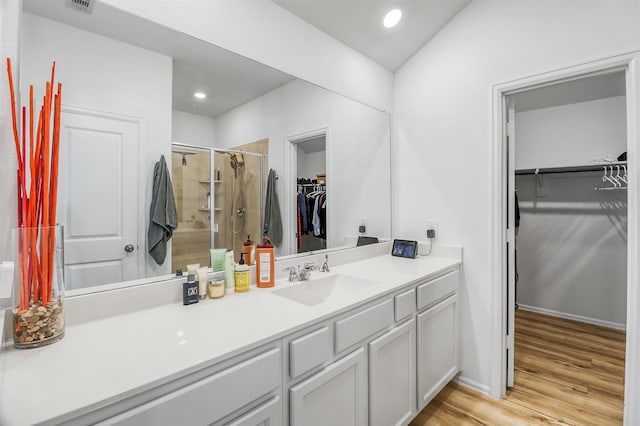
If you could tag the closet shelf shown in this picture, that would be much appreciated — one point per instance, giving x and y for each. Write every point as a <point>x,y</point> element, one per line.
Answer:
<point>569,169</point>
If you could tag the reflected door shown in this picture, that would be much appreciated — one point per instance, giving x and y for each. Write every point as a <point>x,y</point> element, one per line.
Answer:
<point>98,198</point>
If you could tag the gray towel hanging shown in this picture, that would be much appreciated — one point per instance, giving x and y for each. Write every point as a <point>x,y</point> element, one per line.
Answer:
<point>163,218</point>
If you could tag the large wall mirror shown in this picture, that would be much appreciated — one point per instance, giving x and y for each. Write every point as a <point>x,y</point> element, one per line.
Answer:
<point>128,99</point>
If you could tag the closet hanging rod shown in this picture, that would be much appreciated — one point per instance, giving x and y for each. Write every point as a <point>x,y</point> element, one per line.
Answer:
<point>570,169</point>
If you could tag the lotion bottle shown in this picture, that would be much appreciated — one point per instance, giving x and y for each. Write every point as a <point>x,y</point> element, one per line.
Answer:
<point>229,265</point>
<point>265,267</point>
<point>242,276</point>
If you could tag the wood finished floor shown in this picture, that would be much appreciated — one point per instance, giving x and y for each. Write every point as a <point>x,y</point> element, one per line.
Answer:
<point>567,373</point>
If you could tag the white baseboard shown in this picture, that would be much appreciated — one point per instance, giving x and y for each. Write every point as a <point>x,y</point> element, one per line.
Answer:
<point>573,317</point>
<point>471,384</point>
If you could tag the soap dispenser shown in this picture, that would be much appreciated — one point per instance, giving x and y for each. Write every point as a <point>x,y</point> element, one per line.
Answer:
<point>249,248</point>
<point>242,275</point>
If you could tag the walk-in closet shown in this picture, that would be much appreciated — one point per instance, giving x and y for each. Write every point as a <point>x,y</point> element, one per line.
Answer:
<point>571,234</point>
<point>311,195</point>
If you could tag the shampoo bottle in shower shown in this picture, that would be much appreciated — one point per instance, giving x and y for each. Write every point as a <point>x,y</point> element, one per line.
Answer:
<point>242,276</point>
<point>265,267</point>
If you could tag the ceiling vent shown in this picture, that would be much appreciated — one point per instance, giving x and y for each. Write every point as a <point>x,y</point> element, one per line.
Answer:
<point>85,6</point>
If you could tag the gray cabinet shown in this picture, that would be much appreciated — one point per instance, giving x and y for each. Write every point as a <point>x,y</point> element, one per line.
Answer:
<point>392,376</point>
<point>211,399</point>
<point>438,352</point>
<point>376,364</point>
<point>337,395</point>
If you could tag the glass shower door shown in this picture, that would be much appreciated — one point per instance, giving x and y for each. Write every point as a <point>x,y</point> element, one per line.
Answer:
<point>191,179</point>
<point>238,188</point>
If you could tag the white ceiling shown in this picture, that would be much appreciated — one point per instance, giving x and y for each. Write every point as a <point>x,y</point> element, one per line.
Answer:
<point>358,24</point>
<point>229,79</point>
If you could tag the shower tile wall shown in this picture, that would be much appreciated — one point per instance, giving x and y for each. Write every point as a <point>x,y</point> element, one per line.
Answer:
<point>191,183</point>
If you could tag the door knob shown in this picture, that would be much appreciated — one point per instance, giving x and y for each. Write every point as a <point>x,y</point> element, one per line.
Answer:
<point>129,248</point>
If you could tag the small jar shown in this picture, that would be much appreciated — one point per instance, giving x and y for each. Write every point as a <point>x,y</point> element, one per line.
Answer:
<point>216,289</point>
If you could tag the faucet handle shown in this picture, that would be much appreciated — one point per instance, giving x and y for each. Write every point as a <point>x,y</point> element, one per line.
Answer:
<point>325,265</point>
<point>310,266</point>
<point>293,272</point>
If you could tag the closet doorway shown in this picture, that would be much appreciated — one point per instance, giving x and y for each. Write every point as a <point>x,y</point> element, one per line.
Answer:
<point>569,141</point>
<point>308,166</point>
<point>561,142</point>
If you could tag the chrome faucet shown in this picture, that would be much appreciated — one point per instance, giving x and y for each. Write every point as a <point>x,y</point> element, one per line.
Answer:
<point>294,273</point>
<point>305,273</point>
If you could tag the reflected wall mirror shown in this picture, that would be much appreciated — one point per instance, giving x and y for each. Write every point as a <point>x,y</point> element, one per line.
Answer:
<point>128,94</point>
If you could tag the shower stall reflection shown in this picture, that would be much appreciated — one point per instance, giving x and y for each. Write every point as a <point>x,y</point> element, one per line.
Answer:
<point>191,179</point>
<point>238,198</point>
<point>219,199</point>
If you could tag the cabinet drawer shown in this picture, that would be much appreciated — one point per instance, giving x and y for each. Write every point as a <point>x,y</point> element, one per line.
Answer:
<point>437,289</point>
<point>358,327</point>
<point>309,351</point>
<point>212,398</point>
<point>405,304</point>
<point>268,414</point>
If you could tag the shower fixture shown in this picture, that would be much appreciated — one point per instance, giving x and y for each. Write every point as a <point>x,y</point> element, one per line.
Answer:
<point>237,160</point>
<point>184,156</point>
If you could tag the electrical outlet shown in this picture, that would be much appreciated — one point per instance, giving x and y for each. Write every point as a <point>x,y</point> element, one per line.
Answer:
<point>364,221</point>
<point>432,225</point>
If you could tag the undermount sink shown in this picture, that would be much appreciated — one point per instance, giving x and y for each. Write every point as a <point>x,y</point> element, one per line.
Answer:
<point>319,290</point>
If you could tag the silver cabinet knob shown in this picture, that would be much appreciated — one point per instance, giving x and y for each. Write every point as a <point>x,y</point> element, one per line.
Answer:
<point>129,248</point>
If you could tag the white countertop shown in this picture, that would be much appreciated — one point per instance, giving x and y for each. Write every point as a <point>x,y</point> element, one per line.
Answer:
<point>111,359</point>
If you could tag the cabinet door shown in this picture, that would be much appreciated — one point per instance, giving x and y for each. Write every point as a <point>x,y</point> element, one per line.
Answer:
<point>438,348</point>
<point>336,395</point>
<point>268,414</point>
<point>392,376</point>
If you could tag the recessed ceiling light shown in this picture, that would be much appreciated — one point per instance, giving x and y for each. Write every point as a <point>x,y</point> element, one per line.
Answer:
<point>392,18</point>
<point>200,95</point>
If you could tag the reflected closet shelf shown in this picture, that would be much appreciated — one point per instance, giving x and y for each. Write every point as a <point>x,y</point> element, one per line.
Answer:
<point>570,169</point>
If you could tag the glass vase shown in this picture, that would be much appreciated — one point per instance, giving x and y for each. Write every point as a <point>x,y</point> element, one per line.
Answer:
<point>38,296</point>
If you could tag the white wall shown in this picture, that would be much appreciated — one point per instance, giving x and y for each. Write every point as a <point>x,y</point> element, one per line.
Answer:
<point>9,12</point>
<point>263,31</point>
<point>105,75</point>
<point>192,129</point>
<point>358,150</point>
<point>311,164</point>
<point>443,128</point>
<point>569,135</point>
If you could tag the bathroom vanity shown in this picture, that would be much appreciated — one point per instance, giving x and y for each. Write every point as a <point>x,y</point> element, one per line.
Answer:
<point>371,342</point>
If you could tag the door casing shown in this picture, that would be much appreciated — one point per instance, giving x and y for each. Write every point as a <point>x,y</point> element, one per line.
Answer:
<point>628,62</point>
